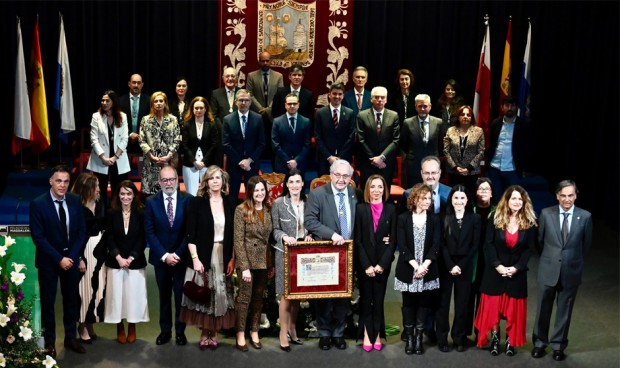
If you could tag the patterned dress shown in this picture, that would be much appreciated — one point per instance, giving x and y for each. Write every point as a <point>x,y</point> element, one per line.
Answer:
<point>161,140</point>
<point>417,285</point>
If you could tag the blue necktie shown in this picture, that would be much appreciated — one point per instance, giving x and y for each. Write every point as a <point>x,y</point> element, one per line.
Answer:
<point>292,120</point>
<point>342,217</point>
<point>134,114</point>
<point>244,121</point>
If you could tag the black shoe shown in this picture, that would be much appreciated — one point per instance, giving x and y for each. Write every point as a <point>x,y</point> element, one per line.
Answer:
<point>558,355</point>
<point>495,345</point>
<point>294,341</point>
<point>163,338</point>
<point>403,336</point>
<point>181,339</point>
<point>50,349</point>
<point>339,343</point>
<point>324,343</point>
<point>243,348</point>
<point>86,341</point>
<point>443,348</point>
<point>419,347</point>
<point>285,348</point>
<point>432,336</point>
<point>460,348</point>
<point>538,352</point>
<point>256,345</point>
<point>510,351</point>
<point>73,344</point>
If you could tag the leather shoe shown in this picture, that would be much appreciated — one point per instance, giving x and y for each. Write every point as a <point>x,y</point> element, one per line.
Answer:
<point>243,348</point>
<point>538,352</point>
<point>73,344</point>
<point>443,348</point>
<point>86,341</point>
<point>558,355</point>
<point>256,345</point>
<point>296,341</point>
<point>163,338</point>
<point>324,343</point>
<point>460,348</point>
<point>285,348</point>
<point>50,349</point>
<point>339,343</point>
<point>432,335</point>
<point>181,339</point>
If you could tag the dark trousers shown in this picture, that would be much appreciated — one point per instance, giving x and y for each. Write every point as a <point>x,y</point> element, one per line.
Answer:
<point>238,176</point>
<point>462,287</point>
<point>565,302</point>
<point>501,180</point>
<point>170,279</point>
<point>114,178</point>
<point>415,309</point>
<point>372,296</point>
<point>69,287</point>
<point>331,316</point>
<point>250,300</point>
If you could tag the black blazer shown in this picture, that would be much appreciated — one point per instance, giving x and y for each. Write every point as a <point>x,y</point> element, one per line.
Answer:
<point>173,105</point>
<point>208,143</point>
<point>331,141</point>
<point>397,104</point>
<point>200,230</point>
<point>306,102</point>
<point>458,247</point>
<point>498,253</point>
<point>235,146</point>
<point>371,250</point>
<point>523,143</point>
<point>405,238</point>
<point>131,244</point>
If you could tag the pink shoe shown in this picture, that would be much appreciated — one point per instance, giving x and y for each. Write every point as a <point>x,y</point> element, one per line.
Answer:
<point>367,348</point>
<point>214,344</point>
<point>378,346</point>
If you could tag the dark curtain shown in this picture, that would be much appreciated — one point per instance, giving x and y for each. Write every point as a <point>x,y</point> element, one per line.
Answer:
<point>574,65</point>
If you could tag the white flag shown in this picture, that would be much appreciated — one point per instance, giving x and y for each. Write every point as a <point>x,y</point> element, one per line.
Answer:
<point>64,93</point>
<point>22,121</point>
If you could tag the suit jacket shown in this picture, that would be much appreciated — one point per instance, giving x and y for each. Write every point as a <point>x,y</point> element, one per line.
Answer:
<point>289,145</point>
<point>472,155</point>
<point>161,237</point>
<point>459,246</point>
<point>144,108</point>
<point>173,105</point>
<point>321,214</point>
<point>406,242</point>
<point>412,143</point>
<point>255,86</point>
<point>200,230</point>
<point>563,262</point>
<point>131,244</point>
<point>498,253</point>
<point>208,142</point>
<point>47,233</point>
<point>100,143</point>
<point>372,145</point>
<point>235,146</point>
<point>523,143</point>
<point>219,103</point>
<point>370,247</point>
<point>331,141</point>
<point>350,100</point>
<point>252,250</point>
<point>306,102</point>
<point>443,191</point>
<point>284,221</point>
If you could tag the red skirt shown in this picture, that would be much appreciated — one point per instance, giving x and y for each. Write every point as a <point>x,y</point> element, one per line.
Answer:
<point>495,307</point>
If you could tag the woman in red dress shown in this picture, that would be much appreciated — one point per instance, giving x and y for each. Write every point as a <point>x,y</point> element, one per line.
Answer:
<point>510,237</point>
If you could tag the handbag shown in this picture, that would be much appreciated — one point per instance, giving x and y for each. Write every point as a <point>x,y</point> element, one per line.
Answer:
<point>197,293</point>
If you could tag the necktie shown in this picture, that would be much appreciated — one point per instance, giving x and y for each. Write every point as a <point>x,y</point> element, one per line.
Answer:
<point>295,93</point>
<point>378,123</point>
<point>292,120</point>
<point>170,211</point>
<point>359,101</point>
<point>342,217</point>
<point>244,121</point>
<point>63,218</point>
<point>335,118</point>
<point>565,227</point>
<point>266,87</point>
<point>134,114</point>
<point>423,131</point>
<point>230,100</point>
<point>436,203</point>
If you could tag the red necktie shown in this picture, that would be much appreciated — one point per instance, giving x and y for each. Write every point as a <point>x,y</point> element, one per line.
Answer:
<point>335,118</point>
<point>359,101</point>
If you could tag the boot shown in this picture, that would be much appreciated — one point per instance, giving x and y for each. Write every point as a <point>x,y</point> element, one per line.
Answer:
<point>409,342</point>
<point>419,348</point>
<point>495,343</point>
<point>120,333</point>
<point>510,351</point>
<point>131,333</point>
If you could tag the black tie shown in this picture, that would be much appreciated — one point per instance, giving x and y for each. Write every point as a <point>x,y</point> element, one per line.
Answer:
<point>63,218</point>
<point>378,123</point>
<point>565,227</point>
<point>292,120</point>
<point>266,87</point>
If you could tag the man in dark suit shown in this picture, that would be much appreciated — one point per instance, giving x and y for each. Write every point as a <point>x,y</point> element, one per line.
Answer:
<point>565,236</point>
<point>243,140</point>
<point>330,215</point>
<point>511,149</point>
<point>164,223</point>
<point>296,74</point>
<point>290,138</point>
<point>358,98</point>
<point>420,136</point>
<point>222,104</point>
<point>334,130</point>
<point>59,234</point>
<point>430,172</point>
<point>378,132</point>
<point>136,105</point>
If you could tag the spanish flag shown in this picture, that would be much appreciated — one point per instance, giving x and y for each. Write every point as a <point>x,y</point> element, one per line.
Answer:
<point>504,87</point>
<point>40,133</point>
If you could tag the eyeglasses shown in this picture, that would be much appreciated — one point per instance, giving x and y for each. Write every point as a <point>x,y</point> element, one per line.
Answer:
<point>428,173</point>
<point>168,180</point>
<point>341,176</point>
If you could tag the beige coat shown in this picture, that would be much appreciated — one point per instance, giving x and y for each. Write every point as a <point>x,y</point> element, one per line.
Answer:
<point>472,155</point>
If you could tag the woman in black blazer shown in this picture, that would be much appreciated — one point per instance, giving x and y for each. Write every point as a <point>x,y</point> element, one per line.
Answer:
<point>126,277</point>
<point>511,234</point>
<point>375,240</point>
<point>178,104</point>
<point>461,236</point>
<point>200,139</point>
<point>418,235</point>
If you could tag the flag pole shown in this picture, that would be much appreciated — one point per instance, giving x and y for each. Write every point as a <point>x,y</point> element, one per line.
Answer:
<point>60,161</point>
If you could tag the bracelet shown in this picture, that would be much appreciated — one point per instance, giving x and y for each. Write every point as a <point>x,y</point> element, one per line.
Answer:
<point>194,256</point>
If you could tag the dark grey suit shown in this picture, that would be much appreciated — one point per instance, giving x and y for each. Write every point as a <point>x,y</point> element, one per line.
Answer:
<point>331,141</point>
<point>412,143</point>
<point>372,145</point>
<point>559,273</point>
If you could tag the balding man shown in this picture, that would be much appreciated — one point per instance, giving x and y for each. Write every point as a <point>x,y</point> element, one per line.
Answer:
<point>136,106</point>
<point>222,104</point>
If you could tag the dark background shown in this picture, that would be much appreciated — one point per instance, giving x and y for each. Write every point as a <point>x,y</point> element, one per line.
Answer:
<point>574,65</point>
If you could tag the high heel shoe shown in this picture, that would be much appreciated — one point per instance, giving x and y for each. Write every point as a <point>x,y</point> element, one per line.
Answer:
<point>285,348</point>
<point>378,346</point>
<point>296,341</point>
<point>495,344</point>
<point>367,348</point>
<point>510,351</point>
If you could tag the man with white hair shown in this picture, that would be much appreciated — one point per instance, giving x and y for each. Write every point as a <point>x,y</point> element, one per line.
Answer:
<point>378,131</point>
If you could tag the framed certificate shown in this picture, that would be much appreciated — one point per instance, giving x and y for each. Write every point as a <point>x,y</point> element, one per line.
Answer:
<point>317,270</point>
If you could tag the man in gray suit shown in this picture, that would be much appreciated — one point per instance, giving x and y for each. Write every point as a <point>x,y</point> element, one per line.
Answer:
<point>330,215</point>
<point>565,236</point>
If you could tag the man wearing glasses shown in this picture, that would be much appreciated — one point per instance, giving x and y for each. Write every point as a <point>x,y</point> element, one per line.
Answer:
<point>243,140</point>
<point>290,138</point>
<point>330,215</point>
<point>164,222</point>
